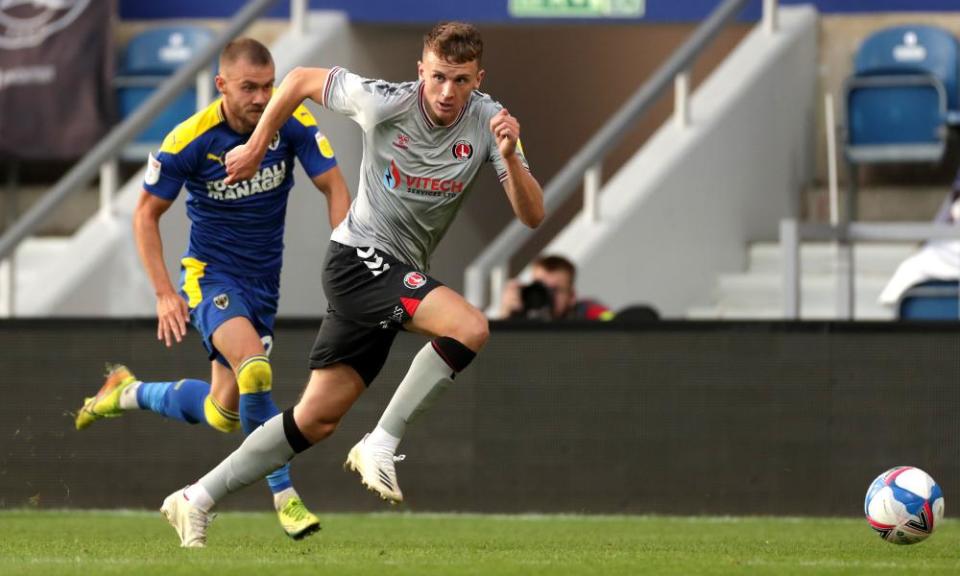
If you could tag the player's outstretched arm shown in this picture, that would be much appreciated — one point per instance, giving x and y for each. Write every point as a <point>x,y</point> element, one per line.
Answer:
<point>172,314</point>
<point>523,190</point>
<point>301,83</point>
<point>334,187</point>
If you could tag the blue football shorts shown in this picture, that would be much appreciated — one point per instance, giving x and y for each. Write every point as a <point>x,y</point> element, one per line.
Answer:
<point>214,297</point>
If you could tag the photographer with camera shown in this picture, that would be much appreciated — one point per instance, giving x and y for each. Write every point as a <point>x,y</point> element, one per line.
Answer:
<point>550,295</point>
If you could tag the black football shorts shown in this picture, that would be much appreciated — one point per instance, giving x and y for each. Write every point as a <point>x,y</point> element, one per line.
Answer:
<point>370,295</point>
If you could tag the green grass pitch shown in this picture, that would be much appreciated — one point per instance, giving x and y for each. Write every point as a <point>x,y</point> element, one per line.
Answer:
<point>102,542</point>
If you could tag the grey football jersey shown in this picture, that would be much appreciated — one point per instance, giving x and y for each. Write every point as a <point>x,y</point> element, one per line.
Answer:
<point>414,175</point>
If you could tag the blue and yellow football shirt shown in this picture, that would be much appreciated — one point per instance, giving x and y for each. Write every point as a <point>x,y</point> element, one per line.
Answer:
<point>235,229</point>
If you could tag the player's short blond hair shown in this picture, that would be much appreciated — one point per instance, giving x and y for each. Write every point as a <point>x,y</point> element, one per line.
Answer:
<point>455,42</point>
<point>246,49</point>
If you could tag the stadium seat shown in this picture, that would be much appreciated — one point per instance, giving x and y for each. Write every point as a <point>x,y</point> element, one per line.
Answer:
<point>910,50</point>
<point>895,119</point>
<point>931,300</point>
<point>902,96</point>
<point>151,58</point>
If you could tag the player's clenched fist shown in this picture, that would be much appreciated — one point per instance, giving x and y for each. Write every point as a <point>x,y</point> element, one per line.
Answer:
<point>506,129</point>
<point>242,163</point>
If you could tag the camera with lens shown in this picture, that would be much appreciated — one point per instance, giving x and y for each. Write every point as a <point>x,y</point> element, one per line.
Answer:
<point>537,300</point>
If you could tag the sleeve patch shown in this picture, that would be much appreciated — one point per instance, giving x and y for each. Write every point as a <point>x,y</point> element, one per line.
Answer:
<point>303,116</point>
<point>326,149</point>
<point>153,171</point>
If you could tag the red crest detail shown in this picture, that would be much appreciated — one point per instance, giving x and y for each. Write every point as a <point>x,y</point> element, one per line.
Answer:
<point>462,150</point>
<point>414,280</point>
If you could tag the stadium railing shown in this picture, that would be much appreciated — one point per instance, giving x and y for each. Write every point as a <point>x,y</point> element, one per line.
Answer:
<point>490,269</point>
<point>103,157</point>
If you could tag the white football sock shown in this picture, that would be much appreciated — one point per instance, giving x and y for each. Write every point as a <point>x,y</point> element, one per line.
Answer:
<point>197,495</point>
<point>281,497</point>
<point>128,397</point>
<point>383,441</point>
<point>426,379</point>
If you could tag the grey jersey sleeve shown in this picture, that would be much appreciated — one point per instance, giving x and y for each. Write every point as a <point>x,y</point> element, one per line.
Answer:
<point>491,108</point>
<point>367,102</point>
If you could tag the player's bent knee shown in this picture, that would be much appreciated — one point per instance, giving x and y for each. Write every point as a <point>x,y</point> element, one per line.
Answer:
<point>319,430</point>
<point>325,429</point>
<point>255,375</point>
<point>220,418</point>
<point>476,330</point>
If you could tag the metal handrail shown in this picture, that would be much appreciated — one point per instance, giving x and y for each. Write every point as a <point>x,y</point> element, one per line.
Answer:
<point>81,174</point>
<point>497,255</point>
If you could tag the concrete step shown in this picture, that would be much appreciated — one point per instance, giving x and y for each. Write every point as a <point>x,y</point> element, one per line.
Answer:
<point>767,313</point>
<point>881,202</point>
<point>758,292</point>
<point>820,257</point>
<point>767,289</point>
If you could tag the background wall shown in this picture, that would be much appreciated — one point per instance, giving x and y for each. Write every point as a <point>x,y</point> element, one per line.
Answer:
<point>673,418</point>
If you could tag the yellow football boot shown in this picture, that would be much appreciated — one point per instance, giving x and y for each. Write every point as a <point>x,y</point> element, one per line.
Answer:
<point>106,404</point>
<point>297,521</point>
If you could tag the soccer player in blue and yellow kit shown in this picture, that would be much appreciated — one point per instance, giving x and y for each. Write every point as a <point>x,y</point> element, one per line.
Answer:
<point>230,274</point>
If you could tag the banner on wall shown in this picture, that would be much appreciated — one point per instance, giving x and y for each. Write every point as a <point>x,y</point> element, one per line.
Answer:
<point>55,70</point>
<point>576,8</point>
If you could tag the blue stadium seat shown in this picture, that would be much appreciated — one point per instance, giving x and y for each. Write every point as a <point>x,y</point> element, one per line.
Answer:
<point>931,300</point>
<point>903,94</point>
<point>895,119</point>
<point>914,50</point>
<point>151,58</point>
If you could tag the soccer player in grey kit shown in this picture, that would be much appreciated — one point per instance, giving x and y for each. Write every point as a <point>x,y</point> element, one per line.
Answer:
<point>423,145</point>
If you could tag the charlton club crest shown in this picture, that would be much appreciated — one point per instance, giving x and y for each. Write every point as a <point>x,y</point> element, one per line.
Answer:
<point>462,150</point>
<point>414,280</point>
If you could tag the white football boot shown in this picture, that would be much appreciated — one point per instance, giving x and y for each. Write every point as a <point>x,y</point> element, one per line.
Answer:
<point>189,521</point>
<point>376,470</point>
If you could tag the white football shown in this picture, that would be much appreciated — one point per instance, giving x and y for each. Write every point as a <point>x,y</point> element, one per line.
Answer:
<point>904,505</point>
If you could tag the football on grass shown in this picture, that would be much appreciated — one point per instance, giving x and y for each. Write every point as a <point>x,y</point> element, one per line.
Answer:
<point>904,505</point>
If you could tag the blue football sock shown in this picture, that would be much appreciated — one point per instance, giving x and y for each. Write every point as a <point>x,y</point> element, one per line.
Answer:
<point>181,400</point>
<point>255,379</point>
